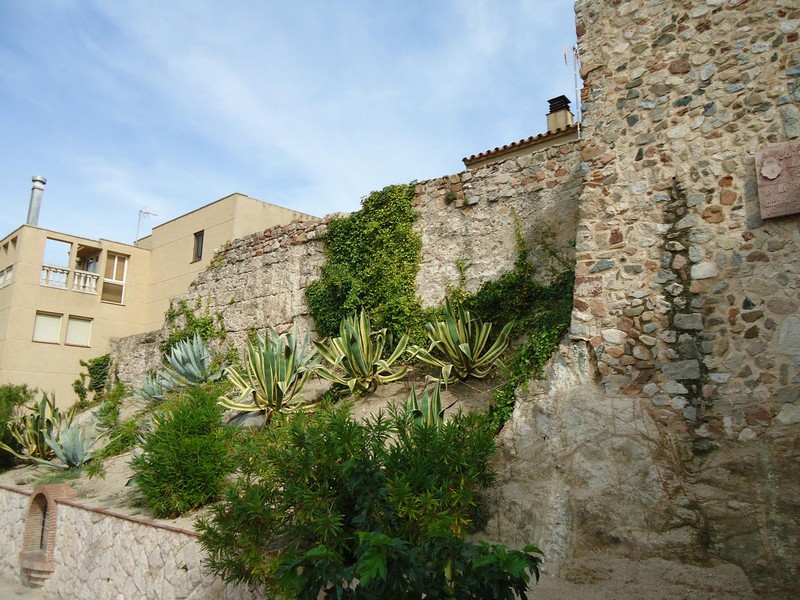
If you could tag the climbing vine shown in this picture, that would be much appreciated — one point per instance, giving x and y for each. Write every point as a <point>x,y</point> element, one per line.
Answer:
<point>541,313</point>
<point>372,261</point>
<point>206,325</point>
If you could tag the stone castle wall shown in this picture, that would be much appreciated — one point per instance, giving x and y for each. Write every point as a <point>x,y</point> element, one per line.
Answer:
<point>688,298</point>
<point>669,427</point>
<point>466,221</point>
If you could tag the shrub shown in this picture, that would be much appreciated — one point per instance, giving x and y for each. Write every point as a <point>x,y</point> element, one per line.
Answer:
<point>324,500</point>
<point>372,261</point>
<point>185,455</point>
<point>12,397</point>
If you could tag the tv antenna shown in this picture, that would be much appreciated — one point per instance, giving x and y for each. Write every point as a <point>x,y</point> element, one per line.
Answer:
<point>143,214</point>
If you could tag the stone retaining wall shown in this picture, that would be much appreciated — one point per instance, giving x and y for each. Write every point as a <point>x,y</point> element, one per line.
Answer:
<point>101,554</point>
<point>466,221</point>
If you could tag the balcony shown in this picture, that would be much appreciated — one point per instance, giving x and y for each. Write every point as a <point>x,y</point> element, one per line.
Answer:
<point>85,282</point>
<point>55,277</point>
<point>58,277</point>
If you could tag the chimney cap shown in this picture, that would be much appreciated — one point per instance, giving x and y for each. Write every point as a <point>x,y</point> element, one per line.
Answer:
<point>559,103</point>
<point>38,179</point>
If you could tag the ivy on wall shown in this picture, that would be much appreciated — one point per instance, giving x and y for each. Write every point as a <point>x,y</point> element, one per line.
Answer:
<point>372,261</point>
<point>205,324</point>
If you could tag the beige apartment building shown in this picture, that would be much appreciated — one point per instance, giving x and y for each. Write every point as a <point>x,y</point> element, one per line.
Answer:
<point>63,298</point>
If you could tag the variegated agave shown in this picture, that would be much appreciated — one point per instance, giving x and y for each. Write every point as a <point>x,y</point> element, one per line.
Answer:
<point>278,367</point>
<point>458,345</point>
<point>355,357</point>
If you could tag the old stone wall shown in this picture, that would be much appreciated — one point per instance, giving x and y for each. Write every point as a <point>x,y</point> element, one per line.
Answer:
<point>687,297</point>
<point>467,221</point>
<point>13,508</point>
<point>100,554</point>
<point>468,224</point>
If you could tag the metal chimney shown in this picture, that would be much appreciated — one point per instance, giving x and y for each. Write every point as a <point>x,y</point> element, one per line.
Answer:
<point>36,199</point>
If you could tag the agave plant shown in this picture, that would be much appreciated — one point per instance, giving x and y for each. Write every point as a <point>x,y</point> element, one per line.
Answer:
<point>73,447</point>
<point>32,430</point>
<point>355,357</point>
<point>278,367</point>
<point>458,345</point>
<point>427,410</point>
<point>190,363</point>
<point>153,389</point>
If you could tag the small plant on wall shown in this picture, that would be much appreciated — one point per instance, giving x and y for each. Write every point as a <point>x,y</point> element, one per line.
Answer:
<point>372,262</point>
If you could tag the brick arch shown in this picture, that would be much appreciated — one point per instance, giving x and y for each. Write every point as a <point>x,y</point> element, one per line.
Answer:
<point>39,535</point>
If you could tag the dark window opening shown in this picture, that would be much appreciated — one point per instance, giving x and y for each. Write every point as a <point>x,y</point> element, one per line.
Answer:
<point>197,253</point>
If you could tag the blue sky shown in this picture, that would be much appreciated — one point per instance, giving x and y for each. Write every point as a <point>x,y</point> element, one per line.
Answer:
<point>167,106</point>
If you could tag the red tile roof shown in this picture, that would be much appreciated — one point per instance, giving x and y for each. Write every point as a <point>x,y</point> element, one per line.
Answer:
<point>514,146</point>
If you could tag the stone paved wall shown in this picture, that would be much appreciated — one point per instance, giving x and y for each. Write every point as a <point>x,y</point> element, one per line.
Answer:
<point>13,508</point>
<point>687,297</point>
<point>466,220</point>
<point>102,555</point>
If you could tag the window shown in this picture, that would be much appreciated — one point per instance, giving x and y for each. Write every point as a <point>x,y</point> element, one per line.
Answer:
<point>47,328</point>
<point>197,253</point>
<point>79,330</point>
<point>114,278</point>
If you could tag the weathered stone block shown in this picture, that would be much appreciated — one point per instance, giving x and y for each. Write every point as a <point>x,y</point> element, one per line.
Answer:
<point>683,369</point>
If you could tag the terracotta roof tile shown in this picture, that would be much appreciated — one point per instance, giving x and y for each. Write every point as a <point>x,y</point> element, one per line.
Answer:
<point>513,146</point>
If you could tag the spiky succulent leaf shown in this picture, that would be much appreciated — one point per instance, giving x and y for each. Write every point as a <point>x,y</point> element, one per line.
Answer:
<point>355,357</point>
<point>190,363</point>
<point>73,447</point>
<point>457,345</point>
<point>278,367</point>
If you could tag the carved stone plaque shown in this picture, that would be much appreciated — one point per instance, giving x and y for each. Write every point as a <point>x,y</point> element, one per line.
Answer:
<point>778,176</point>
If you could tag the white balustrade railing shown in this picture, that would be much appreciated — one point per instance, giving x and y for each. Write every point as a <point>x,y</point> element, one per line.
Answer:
<point>85,282</point>
<point>54,277</point>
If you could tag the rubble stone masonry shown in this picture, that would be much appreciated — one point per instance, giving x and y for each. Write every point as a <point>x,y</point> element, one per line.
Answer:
<point>687,296</point>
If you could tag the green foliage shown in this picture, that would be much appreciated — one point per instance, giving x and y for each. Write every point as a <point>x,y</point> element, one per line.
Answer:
<point>190,363</point>
<point>185,455</point>
<point>355,357</point>
<point>11,398</point>
<point>30,431</point>
<point>540,313</point>
<point>107,414</point>
<point>517,296</point>
<point>427,409</point>
<point>458,345</point>
<point>278,367</point>
<point>372,262</point>
<point>204,325</point>
<point>325,500</point>
<point>72,447</point>
<point>98,370</point>
<point>527,362</point>
<point>121,438</point>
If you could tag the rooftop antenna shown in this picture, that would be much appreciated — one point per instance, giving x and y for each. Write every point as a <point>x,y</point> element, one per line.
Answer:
<point>576,60</point>
<point>143,214</point>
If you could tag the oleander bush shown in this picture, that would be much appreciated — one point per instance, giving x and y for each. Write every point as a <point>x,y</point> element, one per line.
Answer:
<point>325,504</point>
<point>12,399</point>
<point>185,454</point>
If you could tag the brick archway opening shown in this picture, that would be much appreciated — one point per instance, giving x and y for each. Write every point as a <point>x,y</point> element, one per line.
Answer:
<point>39,536</point>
